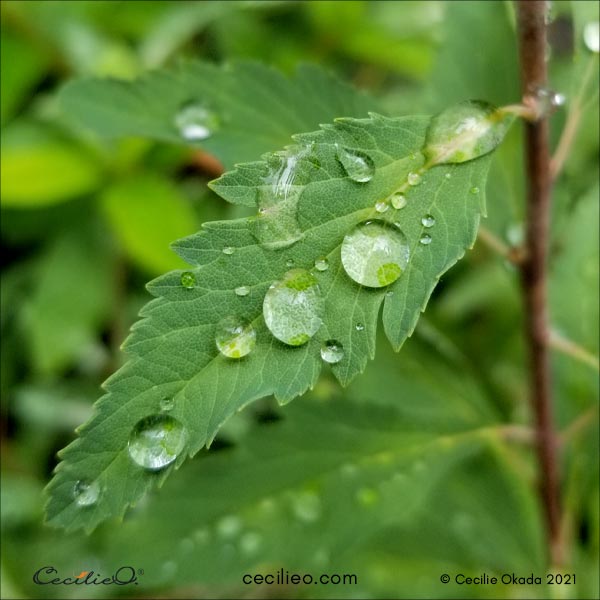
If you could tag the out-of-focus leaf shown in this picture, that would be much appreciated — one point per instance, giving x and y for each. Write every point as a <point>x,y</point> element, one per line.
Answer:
<point>147,213</point>
<point>39,168</point>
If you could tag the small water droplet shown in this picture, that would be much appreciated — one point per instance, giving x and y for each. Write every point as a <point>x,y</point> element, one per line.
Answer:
<point>235,337</point>
<point>188,280</point>
<point>293,307</point>
<point>156,441</point>
<point>398,200</point>
<point>229,526</point>
<point>425,239</point>
<point>195,122</point>
<point>381,206</point>
<point>591,36</point>
<point>289,263</point>
<point>242,290</point>
<point>413,179</point>
<point>367,496</point>
<point>167,403</point>
<point>358,165</point>
<point>250,543</point>
<point>428,221</point>
<point>448,175</point>
<point>389,293</point>
<point>86,494</point>
<point>321,264</point>
<point>474,190</point>
<point>359,327</point>
<point>229,250</point>
<point>375,254</point>
<point>306,506</point>
<point>332,352</point>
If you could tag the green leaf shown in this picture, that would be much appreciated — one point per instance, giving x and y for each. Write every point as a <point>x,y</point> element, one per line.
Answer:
<point>172,350</point>
<point>40,168</point>
<point>147,213</point>
<point>256,108</point>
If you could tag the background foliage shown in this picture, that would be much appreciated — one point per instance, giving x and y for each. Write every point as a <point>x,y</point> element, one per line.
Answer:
<point>419,454</point>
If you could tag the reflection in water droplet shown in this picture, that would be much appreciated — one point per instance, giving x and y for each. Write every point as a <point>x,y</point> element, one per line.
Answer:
<point>167,403</point>
<point>229,250</point>
<point>188,280</point>
<point>414,179</point>
<point>293,307</point>
<point>428,221</point>
<point>425,239</point>
<point>375,254</point>
<point>381,206</point>
<point>86,494</point>
<point>358,165</point>
<point>591,36</point>
<point>229,526</point>
<point>242,290</point>
<point>398,200</point>
<point>156,441</point>
<point>195,122</point>
<point>332,352</point>
<point>359,327</point>
<point>235,337</point>
<point>321,264</point>
<point>306,506</point>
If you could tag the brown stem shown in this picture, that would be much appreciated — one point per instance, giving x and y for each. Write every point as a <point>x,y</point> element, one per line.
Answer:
<point>532,48</point>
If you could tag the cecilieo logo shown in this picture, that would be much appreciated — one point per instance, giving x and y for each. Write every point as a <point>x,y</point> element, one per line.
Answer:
<point>122,576</point>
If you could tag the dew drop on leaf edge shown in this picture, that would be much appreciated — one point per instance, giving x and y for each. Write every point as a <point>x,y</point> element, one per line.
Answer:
<point>235,337</point>
<point>293,307</point>
<point>375,253</point>
<point>156,441</point>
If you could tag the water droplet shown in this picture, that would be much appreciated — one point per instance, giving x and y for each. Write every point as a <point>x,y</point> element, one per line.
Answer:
<point>465,131</point>
<point>229,250</point>
<point>425,239</point>
<point>474,190</point>
<point>293,307</point>
<point>242,290</point>
<point>428,221</point>
<point>381,206</point>
<point>229,526</point>
<point>167,403</point>
<point>307,506</point>
<point>548,101</point>
<point>591,36</point>
<point>321,264</point>
<point>375,253</point>
<point>289,263</point>
<point>250,543</point>
<point>86,494</point>
<point>235,337</point>
<point>358,165</point>
<point>188,280</point>
<point>332,352</point>
<point>195,122</point>
<point>398,200</point>
<point>156,441</point>
<point>413,179</point>
<point>367,496</point>
<point>448,175</point>
<point>359,327</point>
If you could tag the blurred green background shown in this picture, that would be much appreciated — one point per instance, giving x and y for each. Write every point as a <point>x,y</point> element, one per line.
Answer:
<point>86,223</point>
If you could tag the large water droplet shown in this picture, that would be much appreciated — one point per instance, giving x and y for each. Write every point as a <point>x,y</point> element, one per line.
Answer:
<point>195,122</point>
<point>332,352</point>
<point>591,36</point>
<point>321,264</point>
<point>375,253</point>
<point>398,200</point>
<point>188,280</point>
<point>293,307</point>
<point>307,506</point>
<point>425,239</point>
<point>86,494</point>
<point>156,441</point>
<point>413,179</point>
<point>242,290</point>
<point>358,165</point>
<point>465,131</point>
<point>235,337</point>
<point>428,221</point>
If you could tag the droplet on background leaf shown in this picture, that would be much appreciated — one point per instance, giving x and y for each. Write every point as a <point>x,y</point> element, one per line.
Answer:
<point>293,307</point>
<point>375,254</point>
<point>196,122</point>
<point>156,441</point>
